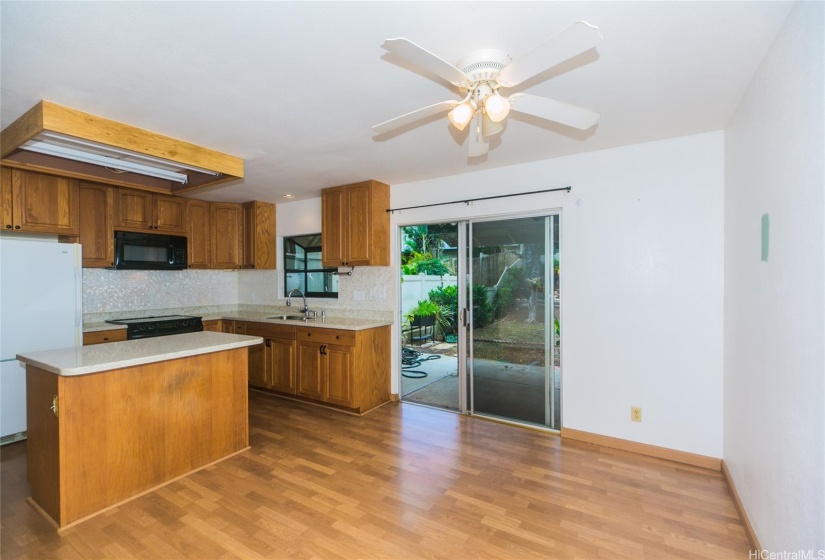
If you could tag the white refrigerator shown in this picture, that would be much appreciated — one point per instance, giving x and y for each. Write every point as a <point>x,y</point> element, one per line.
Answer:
<point>40,309</point>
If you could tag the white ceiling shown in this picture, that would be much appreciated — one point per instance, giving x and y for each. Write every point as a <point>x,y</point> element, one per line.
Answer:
<point>294,87</point>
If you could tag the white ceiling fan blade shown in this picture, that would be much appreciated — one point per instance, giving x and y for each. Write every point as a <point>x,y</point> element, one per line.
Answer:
<point>409,118</point>
<point>478,146</point>
<point>576,39</point>
<point>419,56</point>
<point>553,110</point>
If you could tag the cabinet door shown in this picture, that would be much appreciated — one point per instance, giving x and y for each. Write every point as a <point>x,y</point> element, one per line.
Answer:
<point>309,382</point>
<point>258,367</point>
<point>97,225</point>
<point>5,198</point>
<point>259,235</point>
<point>226,222</point>
<point>45,203</point>
<point>281,362</point>
<point>170,212</point>
<point>212,326</point>
<point>228,326</point>
<point>133,209</point>
<point>333,237</point>
<point>358,227</point>
<point>339,388</point>
<point>197,229</point>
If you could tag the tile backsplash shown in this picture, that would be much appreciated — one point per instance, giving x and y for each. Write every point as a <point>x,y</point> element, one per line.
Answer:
<point>369,290</point>
<point>106,290</point>
<point>370,287</point>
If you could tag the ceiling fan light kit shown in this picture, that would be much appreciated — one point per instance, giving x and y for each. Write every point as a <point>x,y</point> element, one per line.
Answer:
<point>481,74</point>
<point>462,114</point>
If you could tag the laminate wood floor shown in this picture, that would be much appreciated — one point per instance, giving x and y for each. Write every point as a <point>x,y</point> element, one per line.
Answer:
<point>401,482</point>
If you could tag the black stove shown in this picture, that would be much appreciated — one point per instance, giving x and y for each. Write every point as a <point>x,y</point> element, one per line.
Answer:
<point>146,327</point>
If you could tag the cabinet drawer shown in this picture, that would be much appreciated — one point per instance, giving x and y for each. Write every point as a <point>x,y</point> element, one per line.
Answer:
<point>266,330</point>
<point>326,336</point>
<point>99,337</point>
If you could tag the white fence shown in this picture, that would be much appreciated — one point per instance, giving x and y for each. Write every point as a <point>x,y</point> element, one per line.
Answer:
<point>416,288</point>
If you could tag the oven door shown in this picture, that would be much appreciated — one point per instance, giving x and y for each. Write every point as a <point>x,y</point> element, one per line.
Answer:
<point>147,251</point>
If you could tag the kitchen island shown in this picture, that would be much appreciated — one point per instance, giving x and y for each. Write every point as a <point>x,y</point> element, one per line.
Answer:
<point>109,422</point>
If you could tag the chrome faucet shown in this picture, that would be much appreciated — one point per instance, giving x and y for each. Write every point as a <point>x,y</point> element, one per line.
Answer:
<point>305,308</point>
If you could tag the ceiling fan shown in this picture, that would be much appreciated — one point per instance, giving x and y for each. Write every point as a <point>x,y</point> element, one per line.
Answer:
<point>481,75</point>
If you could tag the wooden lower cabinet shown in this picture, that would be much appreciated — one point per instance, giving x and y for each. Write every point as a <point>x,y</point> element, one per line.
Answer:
<point>213,325</point>
<point>272,364</point>
<point>348,369</point>
<point>101,337</point>
<point>281,364</point>
<point>310,372</point>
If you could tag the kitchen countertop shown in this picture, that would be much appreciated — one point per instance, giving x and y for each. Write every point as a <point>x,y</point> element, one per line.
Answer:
<point>83,360</point>
<point>343,323</point>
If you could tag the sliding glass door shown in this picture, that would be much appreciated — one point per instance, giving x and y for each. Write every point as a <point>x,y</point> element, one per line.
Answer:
<point>492,347</point>
<point>514,365</point>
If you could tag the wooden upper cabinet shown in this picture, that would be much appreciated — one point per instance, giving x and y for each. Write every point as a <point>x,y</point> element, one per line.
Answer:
<point>141,210</point>
<point>97,225</point>
<point>170,213</point>
<point>355,225</point>
<point>332,227</point>
<point>226,222</point>
<point>198,232</point>
<point>133,209</point>
<point>39,203</point>
<point>259,235</point>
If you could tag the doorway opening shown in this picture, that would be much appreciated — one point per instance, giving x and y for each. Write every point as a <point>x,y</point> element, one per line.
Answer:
<point>429,311</point>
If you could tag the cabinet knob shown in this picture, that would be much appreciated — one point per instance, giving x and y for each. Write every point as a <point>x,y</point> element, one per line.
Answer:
<point>8,226</point>
<point>16,227</point>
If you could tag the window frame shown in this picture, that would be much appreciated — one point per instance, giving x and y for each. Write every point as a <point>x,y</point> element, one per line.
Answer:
<point>306,271</point>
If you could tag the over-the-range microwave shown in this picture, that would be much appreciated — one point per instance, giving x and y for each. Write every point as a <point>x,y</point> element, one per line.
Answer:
<point>149,251</point>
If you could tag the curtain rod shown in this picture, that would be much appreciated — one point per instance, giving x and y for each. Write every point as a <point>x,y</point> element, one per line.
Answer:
<point>469,200</point>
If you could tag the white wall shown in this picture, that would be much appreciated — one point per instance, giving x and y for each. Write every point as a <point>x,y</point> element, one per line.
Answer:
<point>642,262</point>
<point>774,365</point>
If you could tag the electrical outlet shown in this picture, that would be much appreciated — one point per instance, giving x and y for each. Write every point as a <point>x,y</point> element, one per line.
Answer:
<point>636,413</point>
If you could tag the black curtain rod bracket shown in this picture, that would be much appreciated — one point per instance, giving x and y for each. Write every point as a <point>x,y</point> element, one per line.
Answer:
<point>469,200</point>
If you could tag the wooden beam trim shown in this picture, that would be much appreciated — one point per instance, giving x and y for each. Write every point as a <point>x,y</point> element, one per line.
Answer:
<point>26,127</point>
<point>72,122</point>
<point>740,507</point>
<point>644,449</point>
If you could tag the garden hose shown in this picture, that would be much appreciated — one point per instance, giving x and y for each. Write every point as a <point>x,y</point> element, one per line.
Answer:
<point>412,359</point>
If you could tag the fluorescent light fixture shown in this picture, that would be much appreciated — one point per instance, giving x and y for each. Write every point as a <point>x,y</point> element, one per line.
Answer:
<point>103,161</point>
<point>110,151</point>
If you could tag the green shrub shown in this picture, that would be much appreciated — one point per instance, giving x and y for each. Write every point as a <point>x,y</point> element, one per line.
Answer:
<point>513,286</point>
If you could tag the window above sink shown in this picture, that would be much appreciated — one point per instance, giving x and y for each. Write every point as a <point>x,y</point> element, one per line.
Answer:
<point>303,269</point>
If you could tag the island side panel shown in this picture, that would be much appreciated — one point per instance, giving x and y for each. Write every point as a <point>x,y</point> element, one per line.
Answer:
<point>42,449</point>
<point>372,367</point>
<point>127,430</point>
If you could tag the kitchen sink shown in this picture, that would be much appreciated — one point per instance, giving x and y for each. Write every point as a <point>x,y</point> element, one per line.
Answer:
<point>289,317</point>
